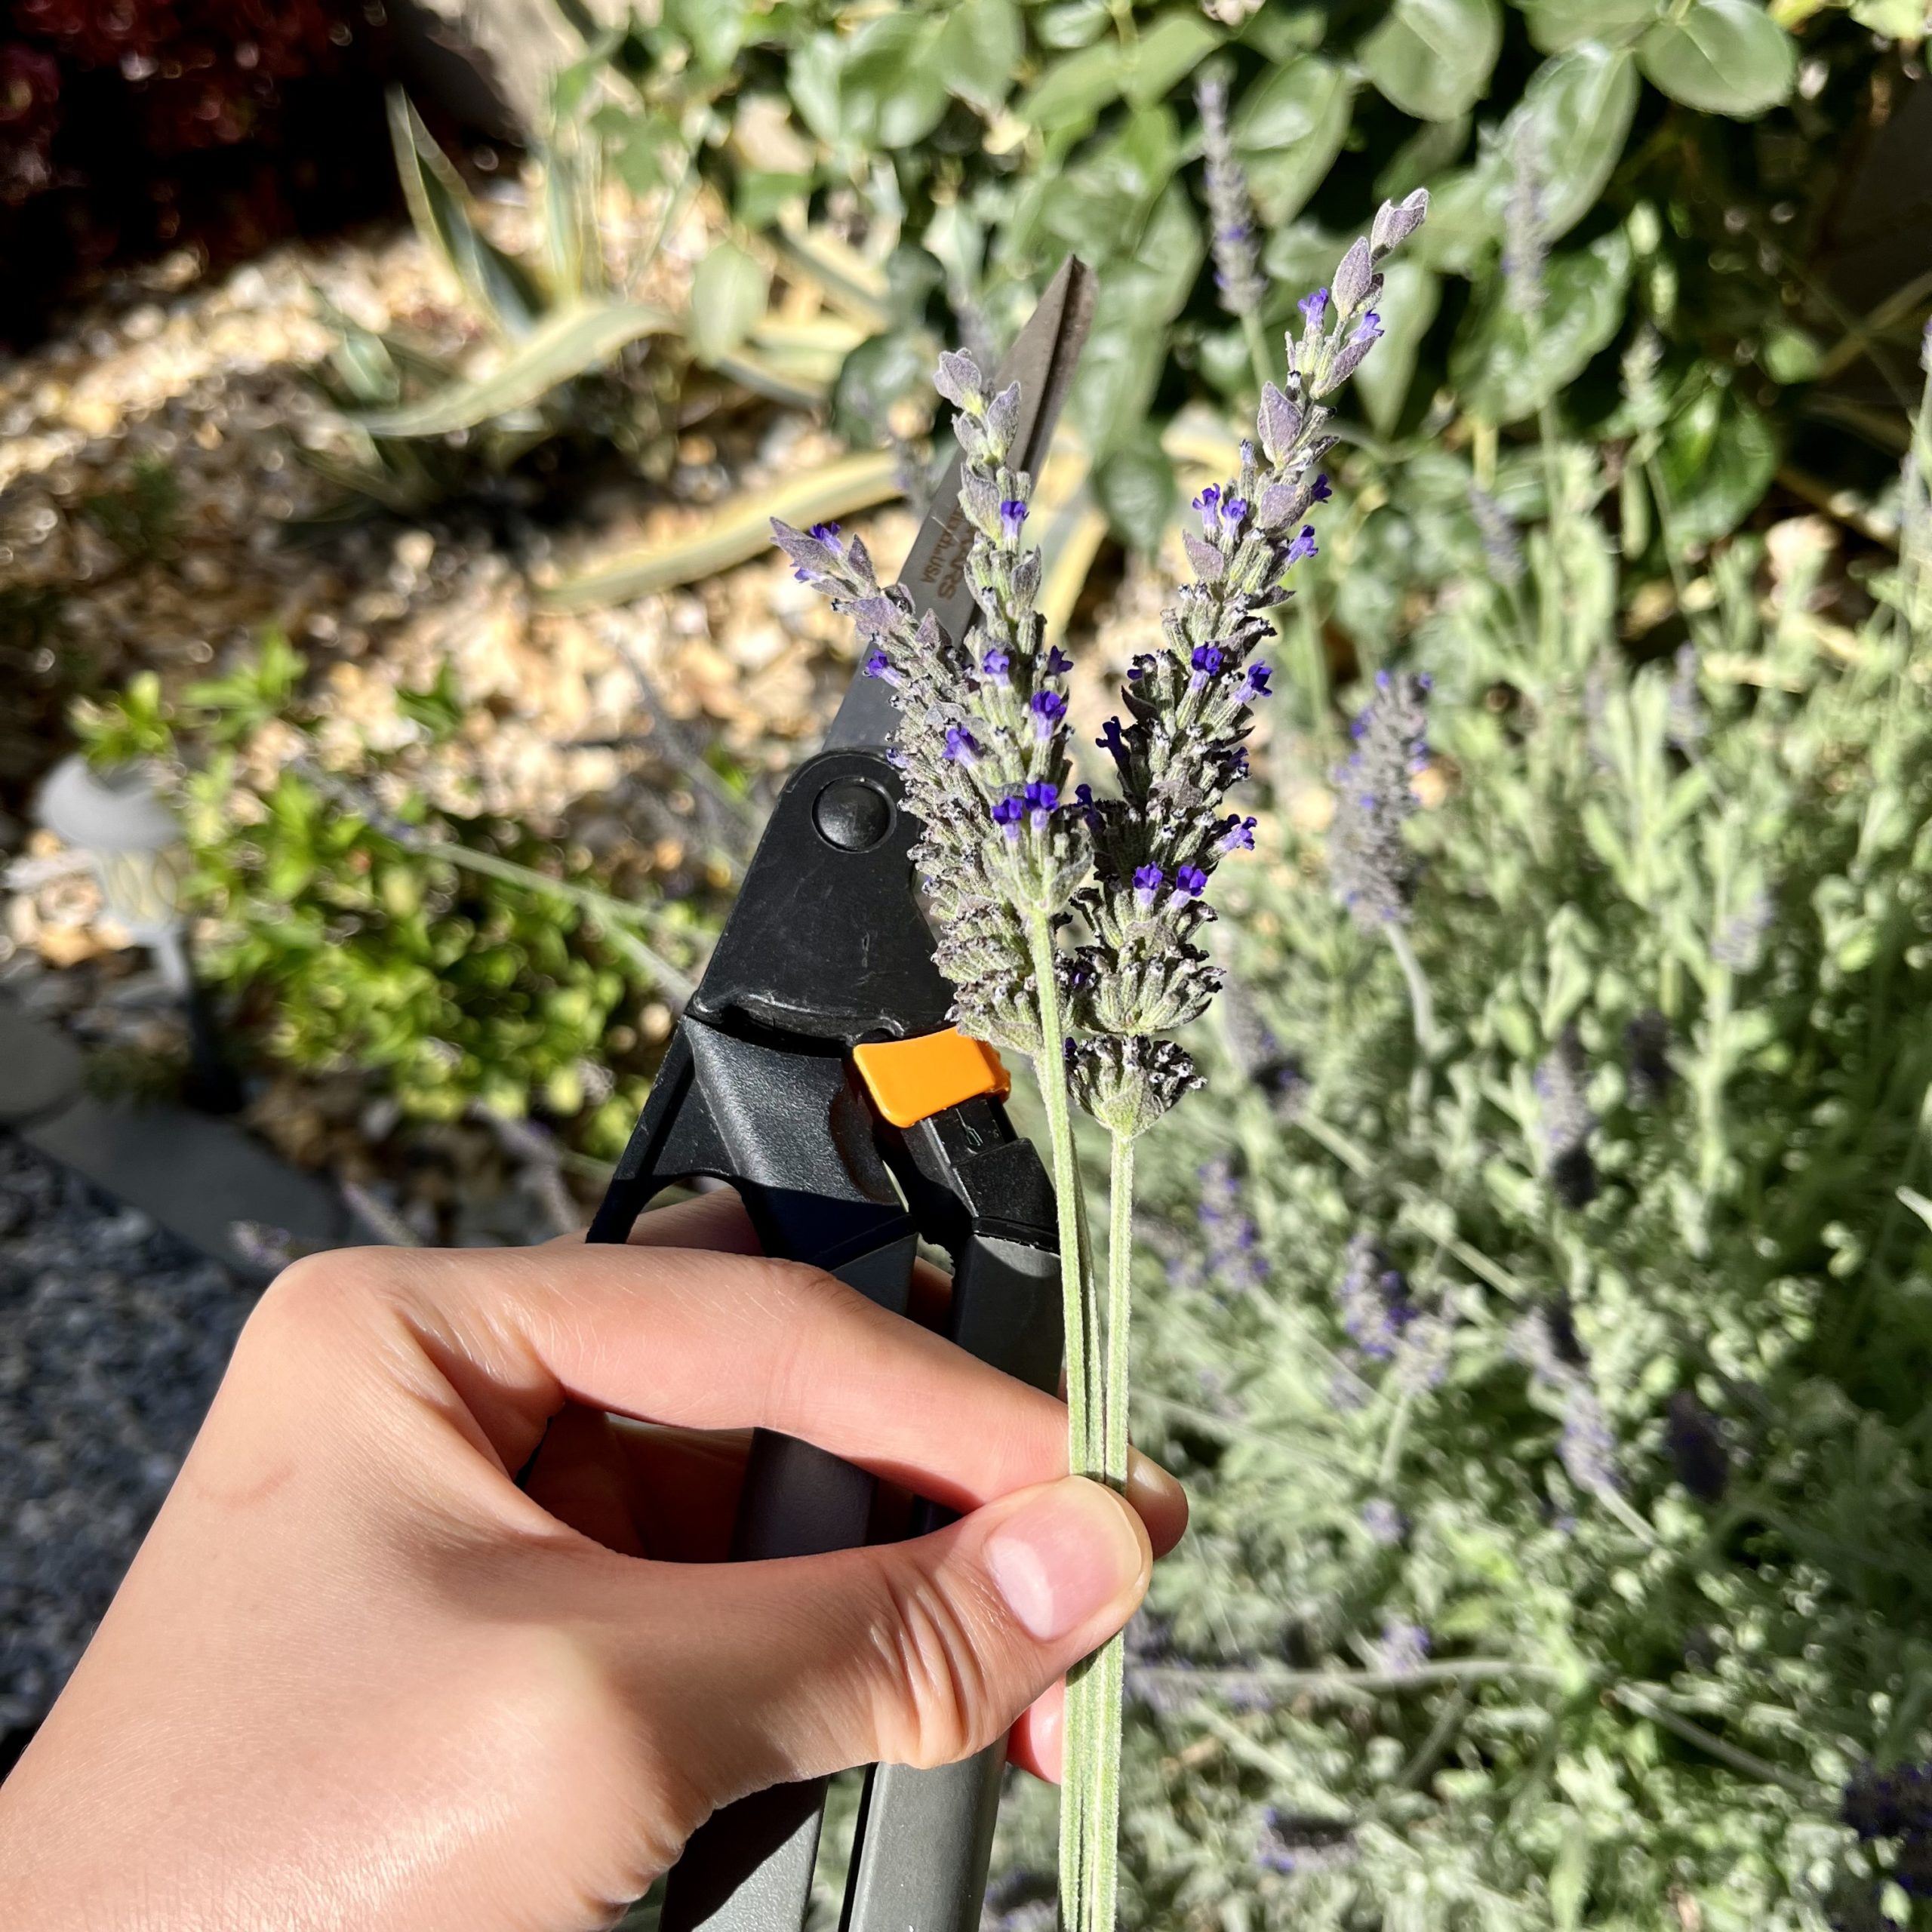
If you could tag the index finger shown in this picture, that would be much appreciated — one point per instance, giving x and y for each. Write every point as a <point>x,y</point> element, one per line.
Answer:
<point>707,1340</point>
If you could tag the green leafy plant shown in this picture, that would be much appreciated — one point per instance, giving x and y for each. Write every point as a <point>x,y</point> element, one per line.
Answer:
<point>450,960</point>
<point>1682,161</point>
<point>1549,1376</point>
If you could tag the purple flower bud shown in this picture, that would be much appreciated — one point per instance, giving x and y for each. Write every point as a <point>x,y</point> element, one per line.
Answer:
<point>1320,493</point>
<point>1048,708</point>
<point>877,665</point>
<point>1042,801</point>
<point>1209,504</point>
<point>1012,514</point>
<point>1207,662</point>
<point>1238,834</point>
<point>1007,815</point>
<point>1083,795</point>
<point>1301,549</point>
<point>827,534</point>
<point>1110,740</point>
<point>1255,684</point>
<point>1369,329</point>
<point>1143,666</point>
<point>1148,880</point>
<point>1314,307</point>
<point>995,665</point>
<point>1233,510</point>
<point>1058,662</point>
<point>1190,881</point>
<point>961,747</point>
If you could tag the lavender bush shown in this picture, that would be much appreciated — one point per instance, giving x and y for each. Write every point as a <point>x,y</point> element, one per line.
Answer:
<point>1563,1496</point>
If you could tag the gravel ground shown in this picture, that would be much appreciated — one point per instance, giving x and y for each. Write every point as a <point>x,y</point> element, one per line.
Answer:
<point>112,1336</point>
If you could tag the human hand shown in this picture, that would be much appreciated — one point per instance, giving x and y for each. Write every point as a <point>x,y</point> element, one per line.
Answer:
<point>357,1677</point>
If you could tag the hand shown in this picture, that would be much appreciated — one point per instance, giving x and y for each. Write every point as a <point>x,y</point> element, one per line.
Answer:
<point>358,1678</point>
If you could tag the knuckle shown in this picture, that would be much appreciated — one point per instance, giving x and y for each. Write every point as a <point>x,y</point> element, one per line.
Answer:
<point>935,1702</point>
<point>311,1302</point>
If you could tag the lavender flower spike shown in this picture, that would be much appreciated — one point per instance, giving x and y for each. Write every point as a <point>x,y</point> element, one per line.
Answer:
<point>1238,279</point>
<point>1370,863</point>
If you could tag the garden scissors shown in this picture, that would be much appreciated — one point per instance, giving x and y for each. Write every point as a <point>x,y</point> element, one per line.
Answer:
<point>815,1071</point>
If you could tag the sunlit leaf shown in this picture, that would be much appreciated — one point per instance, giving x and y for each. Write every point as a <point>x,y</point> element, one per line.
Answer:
<point>1288,130</point>
<point>1410,297</point>
<point>978,49</point>
<point>727,299</point>
<point>1073,89</point>
<point>1135,486</point>
<point>568,343</point>
<point>891,88</point>
<point>1718,457</point>
<point>1555,26</point>
<point>739,530</point>
<point>1722,57</point>
<point>1506,366</point>
<point>1432,58</point>
<point>1165,54</point>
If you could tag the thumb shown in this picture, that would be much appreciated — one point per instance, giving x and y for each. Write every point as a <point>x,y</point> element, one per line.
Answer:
<point>915,1653</point>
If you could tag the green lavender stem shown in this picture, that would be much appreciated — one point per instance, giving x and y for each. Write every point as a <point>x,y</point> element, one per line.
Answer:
<point>1422,1009</point>
<point>1084,1448</point>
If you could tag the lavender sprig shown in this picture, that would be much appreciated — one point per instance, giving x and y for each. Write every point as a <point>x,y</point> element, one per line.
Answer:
<point>1011,858</point>
<point>1239,279</point>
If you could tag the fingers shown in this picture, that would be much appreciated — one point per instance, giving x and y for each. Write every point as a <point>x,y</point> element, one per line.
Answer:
<point>1034,1742</point>
<point>708,1341</point>
<point>914,1653</point>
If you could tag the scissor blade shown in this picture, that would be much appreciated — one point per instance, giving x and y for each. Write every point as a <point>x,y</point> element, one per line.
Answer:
<point>1041,361</point>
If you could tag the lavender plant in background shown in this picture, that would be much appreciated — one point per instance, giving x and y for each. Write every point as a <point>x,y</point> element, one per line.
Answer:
<point>1232,1263</point>
<point>1068,921</point>
<point>1239,278</point>
<point>1370,864</point>
<point>1566,1122</point>
<point>1373,1300</point>
<point>1895,1807</point>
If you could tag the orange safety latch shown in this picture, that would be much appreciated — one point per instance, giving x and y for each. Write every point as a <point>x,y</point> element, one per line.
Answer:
<point>911,1080</point>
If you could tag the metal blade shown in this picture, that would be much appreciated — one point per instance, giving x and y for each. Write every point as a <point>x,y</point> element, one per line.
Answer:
<point>1041,361</point>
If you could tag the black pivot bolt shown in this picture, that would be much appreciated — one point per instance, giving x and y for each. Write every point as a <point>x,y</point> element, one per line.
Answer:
<point>852,815</point>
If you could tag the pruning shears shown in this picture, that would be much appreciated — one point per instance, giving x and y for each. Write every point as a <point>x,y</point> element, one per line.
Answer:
<point>816,1072</point>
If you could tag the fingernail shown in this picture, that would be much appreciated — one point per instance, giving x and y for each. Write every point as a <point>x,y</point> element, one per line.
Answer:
<point>1149,1486</point>
<point>1065,1556</point>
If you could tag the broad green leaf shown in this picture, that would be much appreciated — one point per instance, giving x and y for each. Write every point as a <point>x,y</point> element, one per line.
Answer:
<point>1718,457</point>
<point>757,196</point>
<point>1073,91</point>
<point>1073,24</point>
<point>1506,366</point>
<point>1433,146</point>
<point>714,30</point>
<point>1556,26</point>
<point>1410,297</point>
<point>1135,485</point>
<point>1165,54</point>
<point>1724,57</point>
<point>1465,218</point>
<point>1099,208</point>
<point>1127,352</point>
<point>1579,107</point>
<point>891,92</point>
<point>978,49</point>
<point>1788,354</point>
<point>563,345</point>
<point>1288,130</point>
<point>727,299</point>
<point>1577,110</point>
<point>811,79</point>
<point>1432,58</point>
